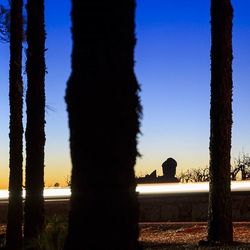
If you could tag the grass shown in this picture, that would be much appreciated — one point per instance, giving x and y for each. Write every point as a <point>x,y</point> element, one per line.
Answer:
<point>54,234</point>
<point>52,238</point>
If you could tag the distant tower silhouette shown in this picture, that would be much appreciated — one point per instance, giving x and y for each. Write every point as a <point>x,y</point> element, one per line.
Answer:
<point>169,170</point>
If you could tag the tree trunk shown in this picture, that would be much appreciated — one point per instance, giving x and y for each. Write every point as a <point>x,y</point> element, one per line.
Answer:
<point>35,135</point>
<point>15,207</point>
<point>104,111</point>
<point>220,208</point>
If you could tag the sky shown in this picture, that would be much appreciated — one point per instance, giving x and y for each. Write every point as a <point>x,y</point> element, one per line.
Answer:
<point>173,68</point>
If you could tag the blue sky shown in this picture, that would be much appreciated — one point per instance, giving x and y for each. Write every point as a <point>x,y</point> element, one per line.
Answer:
<point>173,67</point>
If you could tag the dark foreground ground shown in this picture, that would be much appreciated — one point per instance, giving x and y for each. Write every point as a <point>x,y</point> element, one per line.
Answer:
<point>187,235</point>
<point>153,236</point>
<point>163,236</point>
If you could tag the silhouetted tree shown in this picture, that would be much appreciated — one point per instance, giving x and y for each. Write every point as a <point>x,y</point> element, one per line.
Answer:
<point>15,207</point>
<point>4,23</point>
<point>242,165</point>
<point>194,175</point>
<point>104,110</point>
<point>35,135</point>
<point>220,208</point>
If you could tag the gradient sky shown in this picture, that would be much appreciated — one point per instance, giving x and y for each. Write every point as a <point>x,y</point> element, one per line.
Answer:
<point>173,67</point>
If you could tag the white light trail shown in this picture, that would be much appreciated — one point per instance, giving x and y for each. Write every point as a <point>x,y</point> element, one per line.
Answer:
<point>146,189</point>
<point>196,187</point>
<point>57,192</point>
<point>49,193</point>
<point>171,188</point>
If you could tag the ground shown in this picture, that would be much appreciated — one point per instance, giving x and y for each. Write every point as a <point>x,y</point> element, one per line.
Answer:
<point>160,236</point>
<point>186,235</point>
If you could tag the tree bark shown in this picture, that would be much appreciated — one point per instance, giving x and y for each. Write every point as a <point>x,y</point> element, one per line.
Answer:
<point>220,208</point>
<point>104,111</point>
<point>15,207</point>
<point>35,134</point>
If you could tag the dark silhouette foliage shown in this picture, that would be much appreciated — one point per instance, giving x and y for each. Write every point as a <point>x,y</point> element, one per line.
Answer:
<point>5,18</point>
<point>240,170</point>
<point>104,111</point>
<point>242,167</point>
<point>194,175</point>
<point>5,23</point>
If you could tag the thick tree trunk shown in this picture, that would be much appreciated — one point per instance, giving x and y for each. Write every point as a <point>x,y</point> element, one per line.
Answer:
<point>35,135</point>
<point>220,208</point>
<point>104,111</point>
<point>15,207</point>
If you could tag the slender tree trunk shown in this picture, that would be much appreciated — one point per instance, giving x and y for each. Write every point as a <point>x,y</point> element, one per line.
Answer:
<point>104,111</point>
<point>15,209</point>
<point>220,208</point>
<point>35,134</point>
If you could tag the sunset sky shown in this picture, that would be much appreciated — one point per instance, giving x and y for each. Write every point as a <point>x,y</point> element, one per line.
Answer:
<point>173,67</point>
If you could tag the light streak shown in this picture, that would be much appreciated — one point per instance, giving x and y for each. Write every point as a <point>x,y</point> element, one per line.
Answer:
<point>146,189</point>
<point>171,188</point>
<point>196,187</point>
<point>48,193</point>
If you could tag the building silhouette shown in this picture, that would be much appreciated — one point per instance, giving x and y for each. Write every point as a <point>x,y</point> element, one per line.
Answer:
<point>168,170</point>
